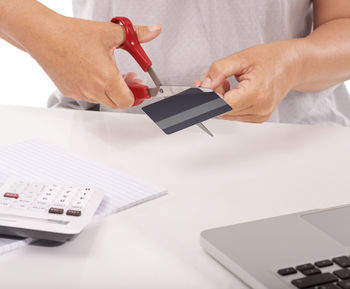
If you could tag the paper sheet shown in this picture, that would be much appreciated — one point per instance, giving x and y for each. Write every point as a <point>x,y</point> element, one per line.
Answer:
<point>35,160</point>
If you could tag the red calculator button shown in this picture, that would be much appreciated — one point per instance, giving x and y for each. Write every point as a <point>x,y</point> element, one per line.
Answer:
<point>11,195</point>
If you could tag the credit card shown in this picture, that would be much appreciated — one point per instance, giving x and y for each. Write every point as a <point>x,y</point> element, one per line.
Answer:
<point>185,109</point>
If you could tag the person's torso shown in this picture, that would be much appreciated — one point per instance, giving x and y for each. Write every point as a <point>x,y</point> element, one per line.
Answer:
<point>198,32</point>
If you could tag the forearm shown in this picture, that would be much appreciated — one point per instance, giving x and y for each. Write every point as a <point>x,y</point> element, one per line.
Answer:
<point>11,41</point>
<point>323,58</point>
<point>25,23</point>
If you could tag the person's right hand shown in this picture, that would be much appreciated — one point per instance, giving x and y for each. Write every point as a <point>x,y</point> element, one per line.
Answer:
<point>78,55</point>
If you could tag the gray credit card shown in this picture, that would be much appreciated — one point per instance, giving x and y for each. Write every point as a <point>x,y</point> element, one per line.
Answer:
<point>185,109</point>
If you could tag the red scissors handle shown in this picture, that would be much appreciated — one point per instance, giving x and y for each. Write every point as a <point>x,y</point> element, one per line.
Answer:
<point>140,93</point>
<point>133,46</point>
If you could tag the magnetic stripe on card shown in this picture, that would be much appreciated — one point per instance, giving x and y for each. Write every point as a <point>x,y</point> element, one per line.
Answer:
<point>191,113</point>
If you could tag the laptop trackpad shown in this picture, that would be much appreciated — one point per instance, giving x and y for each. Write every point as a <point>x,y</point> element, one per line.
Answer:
<point>333,222</point>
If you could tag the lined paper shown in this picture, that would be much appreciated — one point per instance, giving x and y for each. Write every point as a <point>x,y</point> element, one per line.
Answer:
<point>35,160</point>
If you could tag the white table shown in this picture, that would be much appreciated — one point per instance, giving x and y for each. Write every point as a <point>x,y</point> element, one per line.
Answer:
<point>245,172</point>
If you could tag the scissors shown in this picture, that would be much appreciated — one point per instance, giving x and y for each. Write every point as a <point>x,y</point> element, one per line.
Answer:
<point>140,91</point>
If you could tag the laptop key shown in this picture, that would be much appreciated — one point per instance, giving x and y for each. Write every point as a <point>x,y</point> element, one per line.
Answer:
<point>343,261</point>
<point>287,271</point>
<point>313,271</point>
<point>345,284</point>
<point>303,267</point>
<point>323,263</point>
<point>327,286</point>
<point>314,280</point>
<point>342,274</point>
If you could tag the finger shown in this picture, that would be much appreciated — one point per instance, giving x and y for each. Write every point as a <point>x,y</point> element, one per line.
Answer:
<point>224,68</point>
<point>107,101</point>
<point>103,98</point>
<point>148,33</point>
<point>144,34</point>
<point>252,118</point>
<point>197,83</point>
<point>226,86</point>
<point>242,97</point>
<point>223,88</point>
<point>134,81</point>
<point>138,81</point>
<point>118,91</point>
<point>129,77</point>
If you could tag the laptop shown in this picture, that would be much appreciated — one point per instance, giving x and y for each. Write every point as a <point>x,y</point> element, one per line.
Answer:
<point>306,250</point>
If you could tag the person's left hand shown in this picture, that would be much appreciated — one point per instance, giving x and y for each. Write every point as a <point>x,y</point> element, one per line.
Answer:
<point>265,74</point>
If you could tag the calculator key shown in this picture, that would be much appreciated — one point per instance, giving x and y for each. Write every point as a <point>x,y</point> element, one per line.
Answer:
<point>5,203</point>
<point>345,284</point>
<point>313,271</point>
<point>342,274</point>
<point>60,202</point>
<point>70,190</point>
<point>303,267</point>
<point>78,204</point>
<point>43,199</point>
<point>342,261</point>
<point>38,209</point>
<point>52,189</point>
<point>315,280</point>
<point>323,263</point>
<point>35,188</point>
<point>11,195</point>
<point>47,194</point>
<point>18,187</point>
<point>56,211</point>
<point>287,271</point>
<point>66,196</point>
<point>86,193</point>
<point>75,213</point>
<point>21,204</point>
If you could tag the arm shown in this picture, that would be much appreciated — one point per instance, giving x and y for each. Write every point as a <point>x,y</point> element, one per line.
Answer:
<point>77,54</point>
<point>11,41</point>
<point>325,53</point>
<point>266,73</point>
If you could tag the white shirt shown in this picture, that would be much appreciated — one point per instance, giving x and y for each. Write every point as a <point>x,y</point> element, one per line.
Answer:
<point>198,32</point>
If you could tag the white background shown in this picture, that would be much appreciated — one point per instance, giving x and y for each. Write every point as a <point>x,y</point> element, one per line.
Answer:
<point>22,81</point>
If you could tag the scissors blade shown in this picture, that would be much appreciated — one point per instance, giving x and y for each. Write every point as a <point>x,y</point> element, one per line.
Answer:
<point>170,90</point>
<point>154,76</point>
<point>205,129</point>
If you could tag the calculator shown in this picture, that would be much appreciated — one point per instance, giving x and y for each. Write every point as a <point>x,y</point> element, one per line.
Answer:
<point>46,211</point>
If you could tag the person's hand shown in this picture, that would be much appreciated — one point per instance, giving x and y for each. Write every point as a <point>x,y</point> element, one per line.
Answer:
<point>78,55</point>
<point>265,74</point>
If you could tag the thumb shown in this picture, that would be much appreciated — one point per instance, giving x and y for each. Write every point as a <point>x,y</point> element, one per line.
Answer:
<point>148,33</point>
<point>222,69</point>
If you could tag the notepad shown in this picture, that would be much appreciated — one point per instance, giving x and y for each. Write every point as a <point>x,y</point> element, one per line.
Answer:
<point>39,161</point>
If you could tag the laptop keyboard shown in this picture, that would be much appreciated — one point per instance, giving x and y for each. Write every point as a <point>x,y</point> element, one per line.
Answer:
<point>324,274</point>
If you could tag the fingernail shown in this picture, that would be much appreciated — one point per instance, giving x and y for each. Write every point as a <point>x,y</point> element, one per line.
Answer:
<point>206,82</point>
<point>155,27</point>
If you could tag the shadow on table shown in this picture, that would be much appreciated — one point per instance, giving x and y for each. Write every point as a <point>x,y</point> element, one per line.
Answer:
<point>117,131</point>
<point>46,243</point>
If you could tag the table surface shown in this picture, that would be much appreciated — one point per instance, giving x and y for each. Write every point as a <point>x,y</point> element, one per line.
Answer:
<point>246,172</point>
